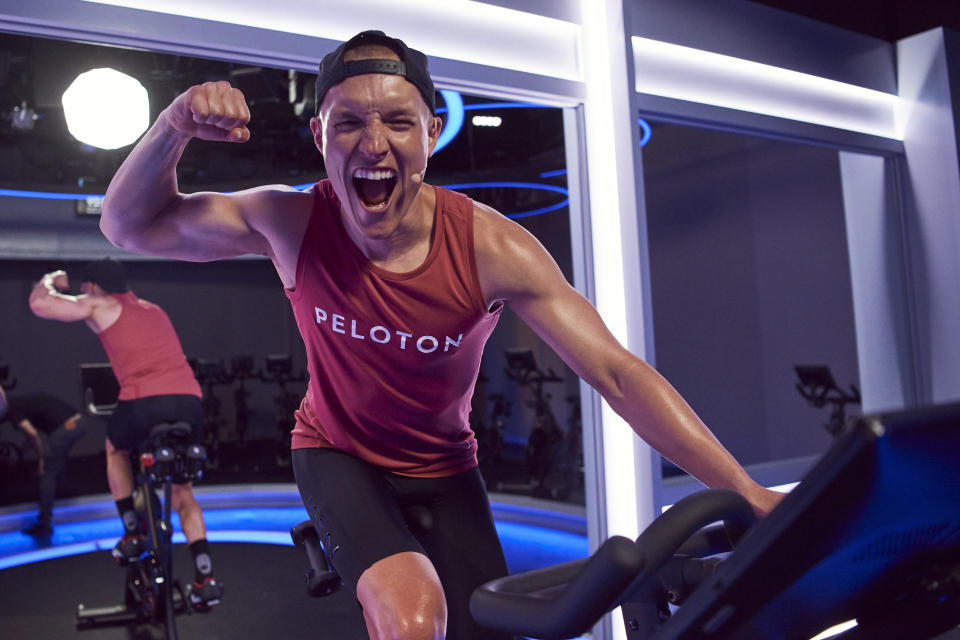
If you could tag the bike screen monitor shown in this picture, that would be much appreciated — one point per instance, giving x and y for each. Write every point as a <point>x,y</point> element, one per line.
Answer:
<point>871,534</point>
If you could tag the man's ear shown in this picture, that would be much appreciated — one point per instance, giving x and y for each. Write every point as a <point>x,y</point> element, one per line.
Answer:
<point>317,131</point>
<point>433,132</point>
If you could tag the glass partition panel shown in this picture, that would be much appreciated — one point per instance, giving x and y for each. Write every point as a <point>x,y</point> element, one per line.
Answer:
<point>751,278</point>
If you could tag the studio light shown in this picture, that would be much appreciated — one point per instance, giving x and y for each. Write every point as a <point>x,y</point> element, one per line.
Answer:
<point>23,117</point>
<point>105,108</point>
<point>487,121</point>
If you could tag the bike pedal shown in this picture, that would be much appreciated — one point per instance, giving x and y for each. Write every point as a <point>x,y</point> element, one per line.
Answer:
<point>203,607</point>
<point>124,561</point>
<point>198,602</point>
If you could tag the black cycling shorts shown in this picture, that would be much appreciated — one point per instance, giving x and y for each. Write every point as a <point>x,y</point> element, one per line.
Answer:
<point>132,420</point>
<point>359,511</point>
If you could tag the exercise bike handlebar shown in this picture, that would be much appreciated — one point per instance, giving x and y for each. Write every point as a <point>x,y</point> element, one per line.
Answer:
<point>567,599</point>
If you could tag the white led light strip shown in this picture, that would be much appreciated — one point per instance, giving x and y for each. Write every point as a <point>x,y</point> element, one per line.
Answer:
<point>627,494</point>
<point>455,29</point>
<point>683,73</point>
<point>835,630</point>
<point>606,186</point>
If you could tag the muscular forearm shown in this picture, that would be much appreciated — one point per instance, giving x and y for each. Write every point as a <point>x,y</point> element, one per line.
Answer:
<point>659,415</point>
<point>144,186</point>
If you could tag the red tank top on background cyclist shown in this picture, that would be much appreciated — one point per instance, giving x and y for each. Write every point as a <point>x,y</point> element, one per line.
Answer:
<point>145,352</point>
<point>393,357</point>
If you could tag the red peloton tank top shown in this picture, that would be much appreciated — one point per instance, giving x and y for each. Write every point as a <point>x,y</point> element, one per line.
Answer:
<point>392,357</point>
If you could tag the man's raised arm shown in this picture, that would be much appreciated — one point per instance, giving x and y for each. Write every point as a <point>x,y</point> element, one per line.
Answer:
<point>49,302</point>
<point>144,211</point>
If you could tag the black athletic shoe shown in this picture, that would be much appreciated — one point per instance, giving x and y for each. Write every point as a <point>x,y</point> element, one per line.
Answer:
<point>203,595</point>
<point>40,529</point>
<point>129,548</point>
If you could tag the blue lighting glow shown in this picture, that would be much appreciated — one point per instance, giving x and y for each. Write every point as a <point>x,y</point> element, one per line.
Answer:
<point>532,538</point>
<point>479,106</point>
<point>527,547</point>
<point>645,131</point>
<point>554,173</point>
<point>518,185</point>
<point>309,185</point>
<point>49,553</point>
<point>454,123</point>
<point>49,195</point>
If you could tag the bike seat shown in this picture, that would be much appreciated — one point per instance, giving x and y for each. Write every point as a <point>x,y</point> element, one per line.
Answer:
<point>169,454</point>
<point>166,432</point>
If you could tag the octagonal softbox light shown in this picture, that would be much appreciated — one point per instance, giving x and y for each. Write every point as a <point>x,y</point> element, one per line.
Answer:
<point>106,108</point>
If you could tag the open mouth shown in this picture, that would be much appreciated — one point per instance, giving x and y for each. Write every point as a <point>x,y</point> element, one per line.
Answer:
<point>374,186</point>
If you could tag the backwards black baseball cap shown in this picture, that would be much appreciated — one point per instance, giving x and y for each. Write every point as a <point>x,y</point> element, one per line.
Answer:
<point>108,273</point>
<point>412,66</point>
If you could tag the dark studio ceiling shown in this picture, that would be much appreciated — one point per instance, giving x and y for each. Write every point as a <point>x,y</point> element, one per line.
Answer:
<point>37,153</point>
<point>889,20</point>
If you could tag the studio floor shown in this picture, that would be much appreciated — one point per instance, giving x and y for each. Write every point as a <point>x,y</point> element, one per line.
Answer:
<point>264,598</point>
<point>43,580</point>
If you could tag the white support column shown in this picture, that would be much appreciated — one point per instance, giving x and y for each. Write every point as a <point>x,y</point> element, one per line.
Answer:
<point>929,88</point>
<point>627,469</point>
<point>879,275</point>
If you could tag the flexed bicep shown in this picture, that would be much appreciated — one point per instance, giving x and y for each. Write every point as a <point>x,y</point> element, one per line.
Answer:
<point>201,227</point>
<point>143,209</point>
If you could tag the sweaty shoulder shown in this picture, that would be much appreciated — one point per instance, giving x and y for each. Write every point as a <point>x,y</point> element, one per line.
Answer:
<point>280,214</point>
<point>507,254</point>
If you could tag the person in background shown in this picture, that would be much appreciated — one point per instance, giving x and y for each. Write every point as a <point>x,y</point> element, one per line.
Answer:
<point>156,385</point>
<point>34,413</point>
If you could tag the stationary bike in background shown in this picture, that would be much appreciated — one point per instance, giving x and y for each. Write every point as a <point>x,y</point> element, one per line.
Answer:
<point>553,456</point>
<point>566,482</point>
<point>490,435</point>
<point>818,387</point>
<point>241,370</point>
<point>151,593</point>
<point>211,373</point>
<point>279,371</point>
